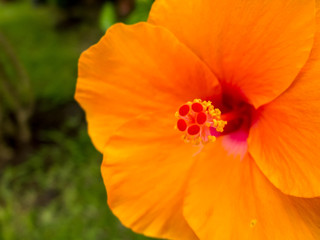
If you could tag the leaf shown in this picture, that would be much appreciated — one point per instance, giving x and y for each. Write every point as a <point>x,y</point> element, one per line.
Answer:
<point>108,16</point>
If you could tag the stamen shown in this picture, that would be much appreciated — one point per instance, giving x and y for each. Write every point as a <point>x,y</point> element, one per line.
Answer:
<point>199,118</point>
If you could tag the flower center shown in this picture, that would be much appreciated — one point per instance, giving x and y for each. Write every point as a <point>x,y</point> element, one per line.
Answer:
<point>197,120</point>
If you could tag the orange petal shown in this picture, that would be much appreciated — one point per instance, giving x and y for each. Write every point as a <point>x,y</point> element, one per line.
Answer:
<point>229,198</point>
<point>285,140</point>
<point>145,169</point>
<point>256,46</point>
<point>135,69</point>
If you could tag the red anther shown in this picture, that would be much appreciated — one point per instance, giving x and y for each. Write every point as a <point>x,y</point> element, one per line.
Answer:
<point>182,125</point>
<point>201,118</point>
<point>197,107</point>
<point>193,129</point>
<point>184,110</point>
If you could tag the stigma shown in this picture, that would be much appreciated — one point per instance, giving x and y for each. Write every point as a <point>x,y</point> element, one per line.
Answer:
<point>198,120</point>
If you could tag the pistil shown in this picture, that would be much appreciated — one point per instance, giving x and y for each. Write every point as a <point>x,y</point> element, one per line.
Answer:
<point>196,120</point>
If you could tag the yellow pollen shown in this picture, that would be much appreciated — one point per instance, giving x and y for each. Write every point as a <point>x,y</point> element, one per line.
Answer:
<point>199,121</point>
<point>212,138</point>
<point>253,223</point>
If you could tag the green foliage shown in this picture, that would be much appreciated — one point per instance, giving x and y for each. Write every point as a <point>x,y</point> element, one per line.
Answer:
<point>53,189</point>
<point>58,194</point>
<point>108,16</point>
<point>139,13</point>
<point>50,58</point>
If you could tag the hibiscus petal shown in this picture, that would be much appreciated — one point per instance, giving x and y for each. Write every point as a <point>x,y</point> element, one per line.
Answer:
<point>285,139</point>
<point>134,69</point>
<point>145,169</point>
<point>256,46</point>
<point>229,198</point>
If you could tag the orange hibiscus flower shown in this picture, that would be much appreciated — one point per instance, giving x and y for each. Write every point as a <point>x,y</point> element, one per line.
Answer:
<point>254,64</point>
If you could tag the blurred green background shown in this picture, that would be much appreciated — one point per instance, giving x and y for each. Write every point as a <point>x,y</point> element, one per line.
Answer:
<point>50,182</point>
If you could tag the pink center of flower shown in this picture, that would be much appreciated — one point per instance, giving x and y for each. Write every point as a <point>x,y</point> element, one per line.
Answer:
<point>197,120</point>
